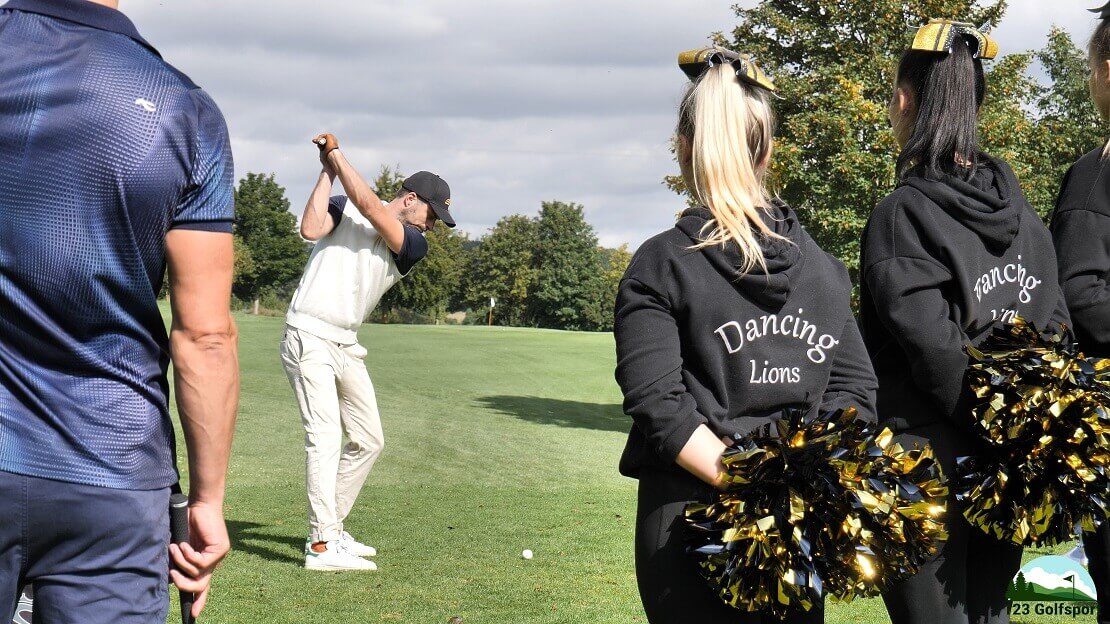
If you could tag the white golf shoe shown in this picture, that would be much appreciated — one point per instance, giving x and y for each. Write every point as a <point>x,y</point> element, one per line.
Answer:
<point>336,559</point>
<point>356,547</point>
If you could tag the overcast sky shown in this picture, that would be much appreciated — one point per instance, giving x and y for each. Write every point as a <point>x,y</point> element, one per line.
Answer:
<point>512,101</point>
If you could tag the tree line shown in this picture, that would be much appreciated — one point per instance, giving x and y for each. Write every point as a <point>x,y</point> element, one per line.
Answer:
<point>545,270</point>
<point>834,64</point>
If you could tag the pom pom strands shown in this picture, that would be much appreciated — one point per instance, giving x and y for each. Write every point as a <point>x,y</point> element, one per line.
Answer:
<point>1043,410</point>
<point>817,504</point>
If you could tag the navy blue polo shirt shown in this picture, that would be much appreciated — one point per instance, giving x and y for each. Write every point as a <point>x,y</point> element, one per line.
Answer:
<point>104,147</point>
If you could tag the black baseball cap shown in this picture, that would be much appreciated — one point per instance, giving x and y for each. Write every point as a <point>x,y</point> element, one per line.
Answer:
<point>432,190</point>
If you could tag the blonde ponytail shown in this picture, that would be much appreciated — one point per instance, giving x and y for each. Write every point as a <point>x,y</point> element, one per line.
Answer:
<point>730,125</point>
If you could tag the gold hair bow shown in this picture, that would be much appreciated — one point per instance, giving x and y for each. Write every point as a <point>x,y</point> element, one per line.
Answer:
<point>694,63</point>
<point>1103,11</point>
<point>939,35</point>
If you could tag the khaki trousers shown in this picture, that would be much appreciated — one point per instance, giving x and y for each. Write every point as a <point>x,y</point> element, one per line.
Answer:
<point>335,397</point>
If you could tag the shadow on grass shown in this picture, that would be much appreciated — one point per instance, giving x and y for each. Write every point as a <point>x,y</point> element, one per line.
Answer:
<point>602,417</point>
<point>262,541</point>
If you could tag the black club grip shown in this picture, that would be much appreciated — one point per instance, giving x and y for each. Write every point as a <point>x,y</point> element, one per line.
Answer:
<point>179,532</point>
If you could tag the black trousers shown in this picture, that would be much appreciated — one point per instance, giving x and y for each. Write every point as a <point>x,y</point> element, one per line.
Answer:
<point>1097,545</point>
<point>671,588</point>
<point>967,580</point>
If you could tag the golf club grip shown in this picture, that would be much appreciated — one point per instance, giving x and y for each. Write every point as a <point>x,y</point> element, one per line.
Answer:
<point>179,532</point>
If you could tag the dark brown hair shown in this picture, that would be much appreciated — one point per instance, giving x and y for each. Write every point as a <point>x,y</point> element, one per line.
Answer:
<point>949,90</point>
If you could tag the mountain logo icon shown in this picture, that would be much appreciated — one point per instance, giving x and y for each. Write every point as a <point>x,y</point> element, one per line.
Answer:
<point>1052,579</point>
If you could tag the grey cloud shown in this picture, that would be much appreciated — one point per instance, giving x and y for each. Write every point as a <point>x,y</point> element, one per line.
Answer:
<point>605,32</point>
<point>513,102</point>
<point>432,91</point>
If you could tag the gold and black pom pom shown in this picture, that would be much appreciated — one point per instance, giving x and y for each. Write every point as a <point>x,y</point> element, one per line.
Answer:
<point>1044,412</point>
<point>819,504</point>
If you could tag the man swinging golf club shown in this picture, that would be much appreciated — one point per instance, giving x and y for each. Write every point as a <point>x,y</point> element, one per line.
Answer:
<point>364,246</point>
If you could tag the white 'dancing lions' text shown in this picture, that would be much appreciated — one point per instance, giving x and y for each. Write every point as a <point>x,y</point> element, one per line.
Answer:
<point>735,336</point>
<point>1009,274</point>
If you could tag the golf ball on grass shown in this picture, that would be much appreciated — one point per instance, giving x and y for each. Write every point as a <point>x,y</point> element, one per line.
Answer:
<point>527,554</point>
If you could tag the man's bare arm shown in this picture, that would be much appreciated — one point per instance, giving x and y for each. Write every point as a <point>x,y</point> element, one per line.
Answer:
<point>205,354</point>
<point>365,199</point>
<point>203,346</point>
<point>316,221</point>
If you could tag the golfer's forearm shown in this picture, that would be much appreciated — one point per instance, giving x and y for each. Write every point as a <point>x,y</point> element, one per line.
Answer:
<point>314,221</point>
<point>701,456</point>
<point>358,191</point>
<point>206,382</point>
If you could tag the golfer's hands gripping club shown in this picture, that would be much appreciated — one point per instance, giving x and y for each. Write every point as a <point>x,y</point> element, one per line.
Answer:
<point>195,560</point>
<point>327,143</point>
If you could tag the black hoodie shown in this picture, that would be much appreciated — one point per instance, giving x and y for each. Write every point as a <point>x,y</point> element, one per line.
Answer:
<point>1081,230</point>
<point>943,260</point>
<point>696,343</point>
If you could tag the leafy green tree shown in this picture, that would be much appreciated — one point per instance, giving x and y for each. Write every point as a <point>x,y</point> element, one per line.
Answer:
<point>434,284</point>
<point>268,237</point>
<point>568,266</point>
<point>1021,589</point>
<point>1041,129</point>
<point>600,312</point>
<point>244,269</point>
<point>502,266</point>
<point>1067,123</point>
<point>834,64</point>
<point>388,183</point>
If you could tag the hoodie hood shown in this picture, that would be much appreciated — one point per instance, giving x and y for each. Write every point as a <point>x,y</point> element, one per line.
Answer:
<point>987,204</point>
<point>784,258</point>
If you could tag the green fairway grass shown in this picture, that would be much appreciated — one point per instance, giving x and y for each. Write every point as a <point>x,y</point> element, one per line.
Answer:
<point>497,440</point>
